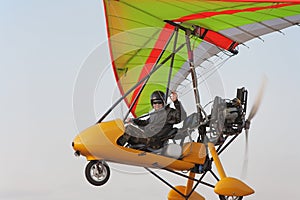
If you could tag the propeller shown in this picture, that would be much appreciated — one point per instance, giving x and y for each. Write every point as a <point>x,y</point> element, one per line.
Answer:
<point>252,114</point>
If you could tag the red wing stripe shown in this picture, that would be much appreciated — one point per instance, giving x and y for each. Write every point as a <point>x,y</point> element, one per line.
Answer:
<point>204,15</point>
<point>160,44</point>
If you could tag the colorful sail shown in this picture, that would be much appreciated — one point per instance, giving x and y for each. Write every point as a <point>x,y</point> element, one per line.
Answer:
<point>141,36</point>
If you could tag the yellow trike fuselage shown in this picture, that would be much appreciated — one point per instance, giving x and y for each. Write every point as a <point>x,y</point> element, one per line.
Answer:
<point>99,142</point>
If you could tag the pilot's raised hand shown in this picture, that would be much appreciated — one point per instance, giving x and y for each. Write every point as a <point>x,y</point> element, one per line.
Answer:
<point>129,120</point>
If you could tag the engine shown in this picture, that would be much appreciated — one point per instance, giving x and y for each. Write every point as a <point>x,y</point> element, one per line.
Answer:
<point>228,116</point>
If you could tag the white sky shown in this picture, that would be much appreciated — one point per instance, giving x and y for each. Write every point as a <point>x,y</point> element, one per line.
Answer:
<point>44,45</point>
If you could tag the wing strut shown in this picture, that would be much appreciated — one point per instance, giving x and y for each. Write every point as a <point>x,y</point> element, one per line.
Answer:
<point>188,33</point>
<point>193,73</point>
<point>172,63</point>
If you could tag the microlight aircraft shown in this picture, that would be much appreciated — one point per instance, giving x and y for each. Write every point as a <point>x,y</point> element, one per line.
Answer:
<point>170,45</point>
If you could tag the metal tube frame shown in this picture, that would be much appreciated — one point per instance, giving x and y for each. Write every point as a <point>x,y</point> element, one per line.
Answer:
<point>172,63</point>
<point>186,196</point>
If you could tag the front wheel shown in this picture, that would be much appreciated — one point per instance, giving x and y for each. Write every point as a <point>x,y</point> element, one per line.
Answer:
<point>230,197</point>
<point>97,172</point>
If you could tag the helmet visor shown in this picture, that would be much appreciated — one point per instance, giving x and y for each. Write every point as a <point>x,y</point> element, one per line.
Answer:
<point>157,101</point>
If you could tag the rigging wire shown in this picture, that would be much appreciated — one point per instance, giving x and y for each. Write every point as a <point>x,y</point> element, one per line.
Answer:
<point>207,74</point>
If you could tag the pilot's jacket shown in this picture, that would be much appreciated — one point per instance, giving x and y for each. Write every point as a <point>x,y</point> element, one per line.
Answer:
<point>161,121</point>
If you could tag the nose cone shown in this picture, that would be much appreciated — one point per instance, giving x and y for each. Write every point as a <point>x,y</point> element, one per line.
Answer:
<point>95,141</point>
<point>79,147</point>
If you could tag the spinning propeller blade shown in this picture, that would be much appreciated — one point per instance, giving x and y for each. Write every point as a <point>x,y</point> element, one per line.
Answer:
<point>245,163</point>
<point>258,100</point>
<point>253,112</point>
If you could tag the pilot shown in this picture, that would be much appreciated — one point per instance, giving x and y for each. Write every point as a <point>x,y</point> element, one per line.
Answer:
<point>159,124</point>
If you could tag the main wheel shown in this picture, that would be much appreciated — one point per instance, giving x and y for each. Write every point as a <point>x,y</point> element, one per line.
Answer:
<point>97,172</point>
<point>230,197</point>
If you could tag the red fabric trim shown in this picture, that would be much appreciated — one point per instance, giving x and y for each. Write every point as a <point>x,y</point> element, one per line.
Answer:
<point>204,15</point>
<point>160,44</point>
<point>219,40</point>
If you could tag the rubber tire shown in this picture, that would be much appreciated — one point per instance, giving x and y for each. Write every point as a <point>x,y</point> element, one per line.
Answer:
<point>221,197</point>
<point>90,179</point>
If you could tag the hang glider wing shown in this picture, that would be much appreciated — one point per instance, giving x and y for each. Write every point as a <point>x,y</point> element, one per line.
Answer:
<point>140,37</point>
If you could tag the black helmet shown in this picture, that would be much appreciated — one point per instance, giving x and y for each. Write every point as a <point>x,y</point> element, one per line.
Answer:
<point>158,96</point>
